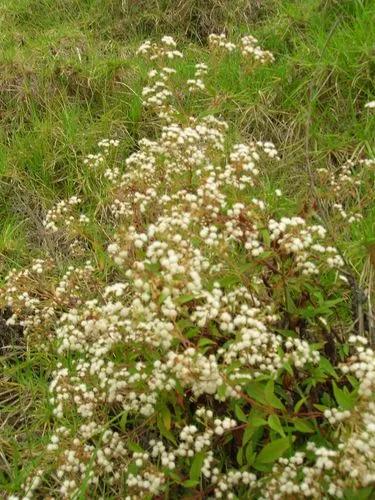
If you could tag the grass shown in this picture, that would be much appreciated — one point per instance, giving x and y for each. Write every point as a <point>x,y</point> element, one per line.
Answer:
<point>68,79</point>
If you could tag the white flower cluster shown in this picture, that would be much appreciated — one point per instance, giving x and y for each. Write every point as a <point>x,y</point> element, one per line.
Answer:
<point>95,160</point>
<point>62,214</point>
<point>166,49</point>
<point>196,83</point>
<point>362,365</point>
<point>220,41</point>
<point>248,47</point>
<point>351,464</point>
<point>342,187</point>
<point>228,483</point>
<point>157,95</point>
<point>70,284</point>
<point>79,462</point>
<point>334,415</point>
<point>350,218</point>
<point>294,237</point>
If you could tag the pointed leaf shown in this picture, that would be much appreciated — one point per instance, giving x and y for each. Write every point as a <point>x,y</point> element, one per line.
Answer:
<point>275,424</point>
<point>273,450</point>
<point>196,466</point>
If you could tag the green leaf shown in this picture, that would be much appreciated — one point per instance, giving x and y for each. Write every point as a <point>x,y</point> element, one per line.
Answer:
<point>247,435</point>
<point>290,305</point>
<point>221,391</point>
<point>163,430</point>
<point>359,494</point>
<point>173,474</point>
<point>326,399</point>
<point>275,424</point>
<point>320,407</point>
<point>344,399</point>
<point>183,299</point>
<point>192,332</point>
<point>162,298</point>
<point>250,454</point>
<point>190,483</point>
<point>261,467</point>
<point>183,324</point>
<point>196,466</point>
<point>354,382</point>
<point>229,281</point>
<point>266,237</point>
<point>240,414</point>
<point>324,309</point>
<point>134,446</point>
<point>153,267</point>
<point>132,468</point>
<point>246,266</point>
<point>273,450</point>
<point>240,456</point>
<point>205,342</point>
<point>256,391</point>
<point>288,368</point>
<point>270,396</point>
<point>327,367</point>
<point>257,421</point>
<point>212,328</point>
<point>299,403</point>
<point>303,426</point>
<point>123,420</point>
<point>166,415</point>
<point>287,333</point>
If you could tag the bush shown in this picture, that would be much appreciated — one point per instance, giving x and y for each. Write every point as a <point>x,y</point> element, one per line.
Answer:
<point>207,349</point>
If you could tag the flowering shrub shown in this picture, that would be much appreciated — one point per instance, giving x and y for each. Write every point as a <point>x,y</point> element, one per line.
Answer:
<point>212,358</point>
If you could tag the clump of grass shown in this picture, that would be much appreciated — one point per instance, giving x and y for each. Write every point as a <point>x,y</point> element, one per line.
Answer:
<point>67,80</point>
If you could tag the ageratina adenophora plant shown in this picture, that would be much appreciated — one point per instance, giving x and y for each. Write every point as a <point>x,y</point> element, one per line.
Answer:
<point>211,352</point>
